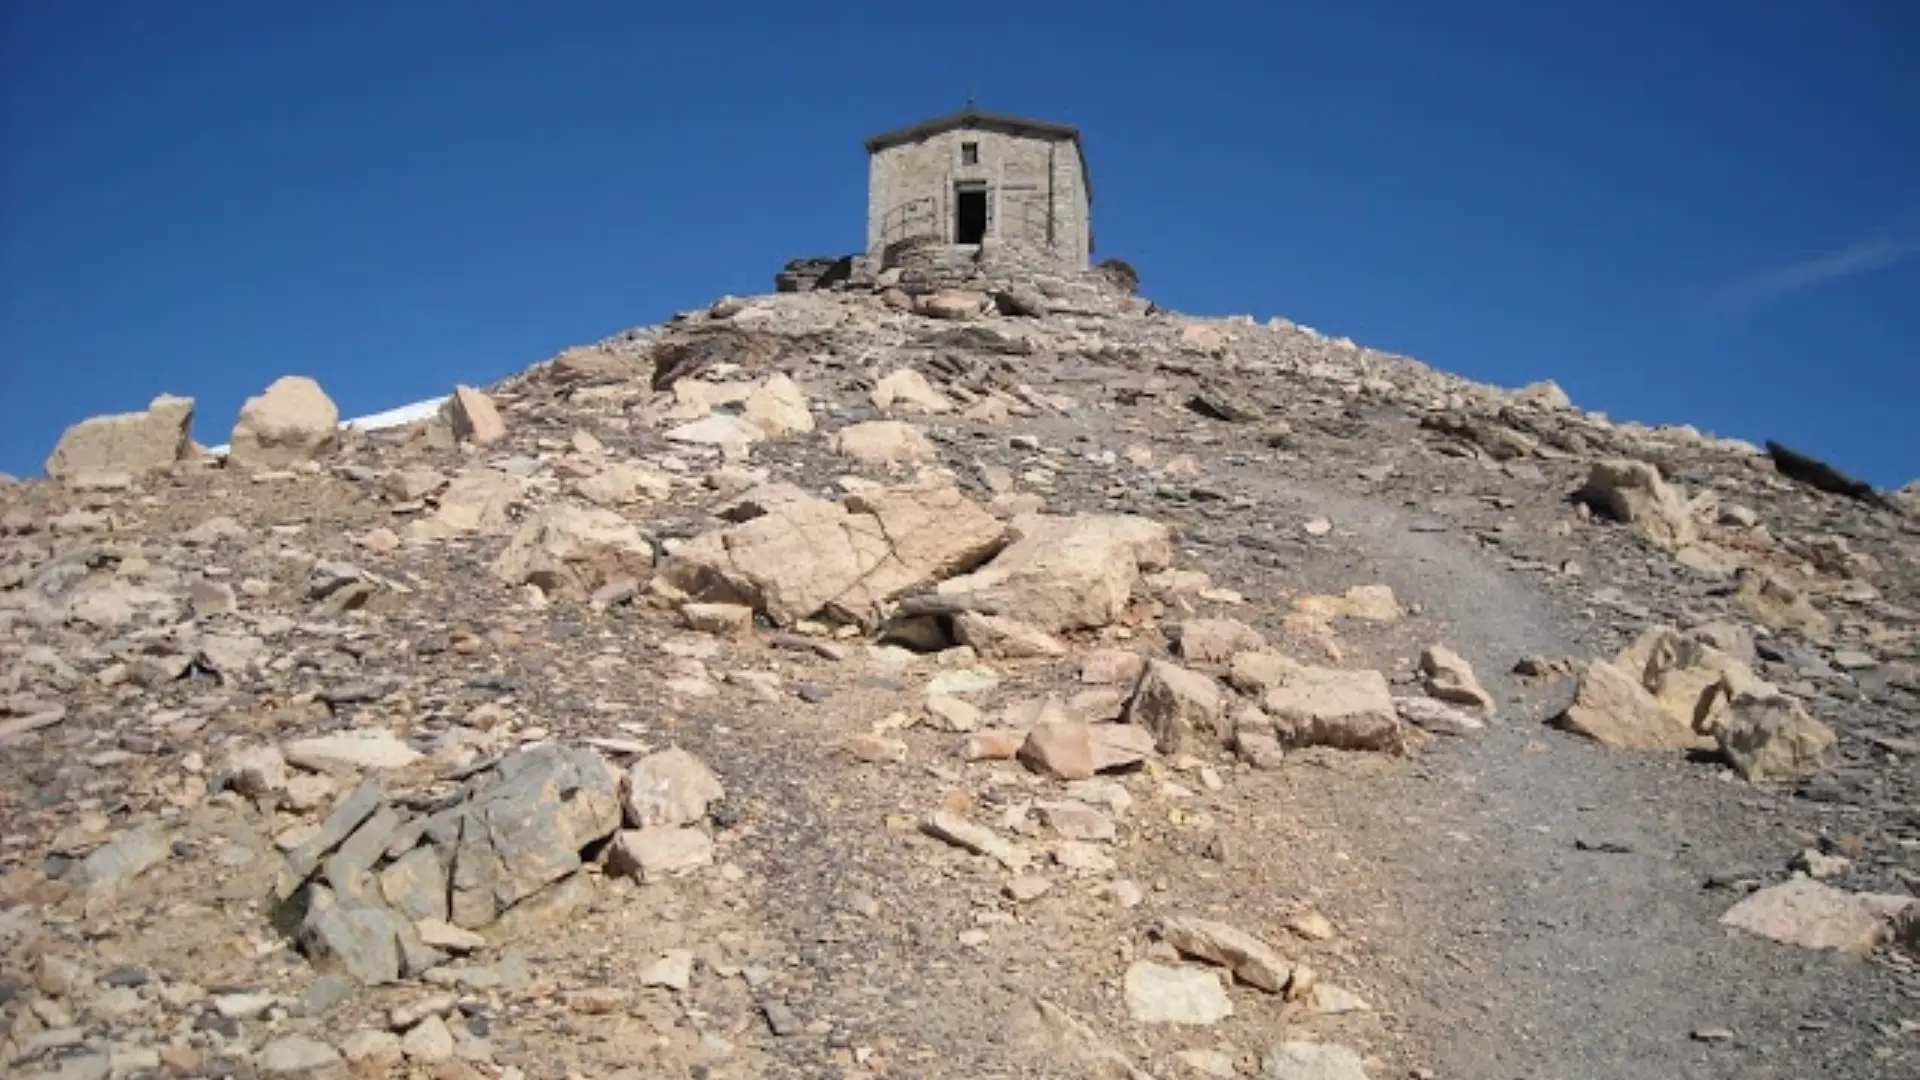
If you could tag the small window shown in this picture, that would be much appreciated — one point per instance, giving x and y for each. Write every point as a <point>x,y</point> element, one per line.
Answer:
<point>969,153</point>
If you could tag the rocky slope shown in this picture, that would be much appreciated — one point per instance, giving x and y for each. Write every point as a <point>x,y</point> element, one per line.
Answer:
<point>991,678</point>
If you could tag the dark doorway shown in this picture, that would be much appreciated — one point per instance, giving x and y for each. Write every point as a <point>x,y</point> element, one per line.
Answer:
<point>970,217</point>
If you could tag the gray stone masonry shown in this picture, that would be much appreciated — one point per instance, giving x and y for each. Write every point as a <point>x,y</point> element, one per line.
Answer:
<point>1033,178</point>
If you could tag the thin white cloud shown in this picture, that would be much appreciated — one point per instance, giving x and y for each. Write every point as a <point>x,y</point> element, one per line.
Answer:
<point>1865,257</point>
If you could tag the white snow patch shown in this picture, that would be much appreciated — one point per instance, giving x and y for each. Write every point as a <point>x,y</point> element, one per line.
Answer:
<point>390,418</point>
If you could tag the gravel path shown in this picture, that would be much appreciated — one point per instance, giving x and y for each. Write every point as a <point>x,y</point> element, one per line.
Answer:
<point>1598,962</point>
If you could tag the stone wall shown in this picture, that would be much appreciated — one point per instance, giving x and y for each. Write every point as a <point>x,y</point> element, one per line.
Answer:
<point>1035,192</point>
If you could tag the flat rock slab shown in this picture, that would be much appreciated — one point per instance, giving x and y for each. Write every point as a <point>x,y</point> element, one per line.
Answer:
<point>1158,994</point>
<point>1812,915</point>
<point>368,748</point>
<point>1312,1061</point>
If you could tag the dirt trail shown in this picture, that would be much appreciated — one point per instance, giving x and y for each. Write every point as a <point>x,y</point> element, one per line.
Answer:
<point>1586,961</point>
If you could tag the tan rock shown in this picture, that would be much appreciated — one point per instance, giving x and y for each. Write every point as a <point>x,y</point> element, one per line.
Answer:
<point>779,407</point>
<point>906,390</point>
<point>1162,994</point>
<point>292,421</point>
<point>1544,395</point>
<point>1176,704</point>
<point>1811,915</point>
<point>659,854</point>
<point>1048,1033</point>
<point>1069,750</point>
<point>1777,605</point>
<point>1372,603</point>
<point>1691,679</point>
<point>1298,1060</point>
<point>874,749</point>
<point>1770,738</point>
<point>475,501</point>
<point>1346,710</point>
<point>473,418</point>
<point>961,833</point>
<point>844,559</point>
<point>412,485</point>
<point>1251,960</point>
<point>622,483</point>
<point>999,638</point>
<point>571,551</point>
<point>1076,821</point>
<point>884,443</point>
<point>355,749</point>
<point>1211,643</point>
<point>1633,492</point>
<point>988,410</point>
<point>1065,573</point>
<point>953,714</point>
<point>728,432</point>
<point>1258,672</point>
<point>1203,339</point>
<point>1611,707</point>
<point>1260,749</point>
<point>1449,678</point>
<point>998,744</point>
<point>721,620</point>
<point>955,304</point>
<point>130,443</point>
<point>1112,667</point>
<point>669,788</point>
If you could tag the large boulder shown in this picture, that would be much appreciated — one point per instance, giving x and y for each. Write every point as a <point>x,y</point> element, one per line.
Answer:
<point>1066,573</point>
<point>570,551</point>
<point>1690,677</point>
<point>1633,492</point>
<point>293,421</point>
<point>844,559</point>
<point>1614,709</point>
<point>135,442</point>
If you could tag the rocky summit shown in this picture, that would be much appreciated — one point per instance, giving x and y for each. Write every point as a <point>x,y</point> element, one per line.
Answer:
<point>986,677</point>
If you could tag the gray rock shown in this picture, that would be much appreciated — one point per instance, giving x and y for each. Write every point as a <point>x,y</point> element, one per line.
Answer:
<point>363,942</point>
<point>526,830</point>
<point>349,868</point>
<point>353,810</point>
<point>416,956</point>
<point>325,995</point>
<point>125,857</point>
<point>415,885</point>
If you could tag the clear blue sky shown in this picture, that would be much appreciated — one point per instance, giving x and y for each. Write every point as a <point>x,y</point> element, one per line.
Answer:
<point>1687,211</point>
